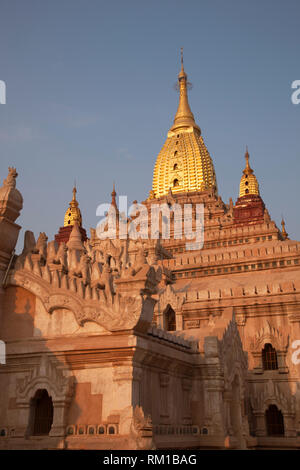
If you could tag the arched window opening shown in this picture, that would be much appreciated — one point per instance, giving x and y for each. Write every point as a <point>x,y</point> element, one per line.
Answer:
<point>175,167</point>
<point>170,319</point>
<point>42,410</point>
<point>111,430</point>
<point>175,182</point>
<point>269,357</point>
<point>274,421</point>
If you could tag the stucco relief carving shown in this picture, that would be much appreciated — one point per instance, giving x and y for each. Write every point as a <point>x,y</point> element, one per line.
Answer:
<point>46,375</point>
<point>172,297</point>
<point>232,353</point>
<point>109,305</point>
<point>141,429</point>
<point>272,393</point>
<point>269,334</point>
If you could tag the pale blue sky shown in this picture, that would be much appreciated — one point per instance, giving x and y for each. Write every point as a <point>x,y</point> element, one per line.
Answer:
<point>90,96</point>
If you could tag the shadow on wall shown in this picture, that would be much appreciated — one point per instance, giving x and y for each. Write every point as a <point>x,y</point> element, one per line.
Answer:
<point>38,395</point>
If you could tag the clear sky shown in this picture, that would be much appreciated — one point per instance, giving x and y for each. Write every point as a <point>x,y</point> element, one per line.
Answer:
<point>90,97</point>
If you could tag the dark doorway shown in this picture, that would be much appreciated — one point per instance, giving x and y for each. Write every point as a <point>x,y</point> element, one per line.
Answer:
<point>170,319</point>
<point>274,421</point>
<point>42,409</point>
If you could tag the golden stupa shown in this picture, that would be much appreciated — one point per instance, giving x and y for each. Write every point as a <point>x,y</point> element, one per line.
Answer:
<point>183,164</point>
<point>73,213</point>
<point>249,183</point>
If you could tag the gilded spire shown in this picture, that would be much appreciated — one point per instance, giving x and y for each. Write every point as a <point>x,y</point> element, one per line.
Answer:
<point>248,184</point>
<point>248,170</point>
<point>73,212</point>
<point>184,163</point>
<point>74,194</point>
<point>184,116</point>
<point>283,230</point>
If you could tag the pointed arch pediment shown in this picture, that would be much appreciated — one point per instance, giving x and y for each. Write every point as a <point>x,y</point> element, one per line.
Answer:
<point>269,334</point>
<point>272,394</point>
<point>170,297</point>
<point>46,375</point>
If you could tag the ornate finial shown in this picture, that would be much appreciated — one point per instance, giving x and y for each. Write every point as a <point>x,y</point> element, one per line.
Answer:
<point>11,177</point>
<point>283,230</point>
<point>74,192</point>
<point>247,169</point>
<point>113,196</point>
<point>182,73</point>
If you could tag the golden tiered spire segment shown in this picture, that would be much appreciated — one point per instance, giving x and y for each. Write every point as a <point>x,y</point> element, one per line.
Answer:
<point>183,164</point>
<point>248,184</point>
<point>73,213</point>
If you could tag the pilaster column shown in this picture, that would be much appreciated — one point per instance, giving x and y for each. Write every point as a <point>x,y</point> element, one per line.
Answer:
<point>260,430</point>
<point>282,367</point>
<point>289,424</point>
<point>186,401</point>
<point>164,398</point>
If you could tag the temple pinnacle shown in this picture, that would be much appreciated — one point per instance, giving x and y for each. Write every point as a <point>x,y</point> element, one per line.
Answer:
<point>283,230</point>
<point>248,184</point>
<point>73,212</point>
<point>247,169</point>
<point>184,117</point>
<point>113,196</point>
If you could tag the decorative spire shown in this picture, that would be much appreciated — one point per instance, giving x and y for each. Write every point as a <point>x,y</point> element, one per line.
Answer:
<point>248,170</point>
<point>183,163</point>
<point>182,72</point>
<point>73,212</point>
<point>184,116</point>
<point>283,230</point>
<point>74,194</point>
<point>75,240</point>
<point>248,184</point>
<point>113,197</point>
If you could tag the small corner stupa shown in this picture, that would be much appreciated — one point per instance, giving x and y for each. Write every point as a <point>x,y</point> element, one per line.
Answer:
<point>72,215</point>
<point>249,207</point>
